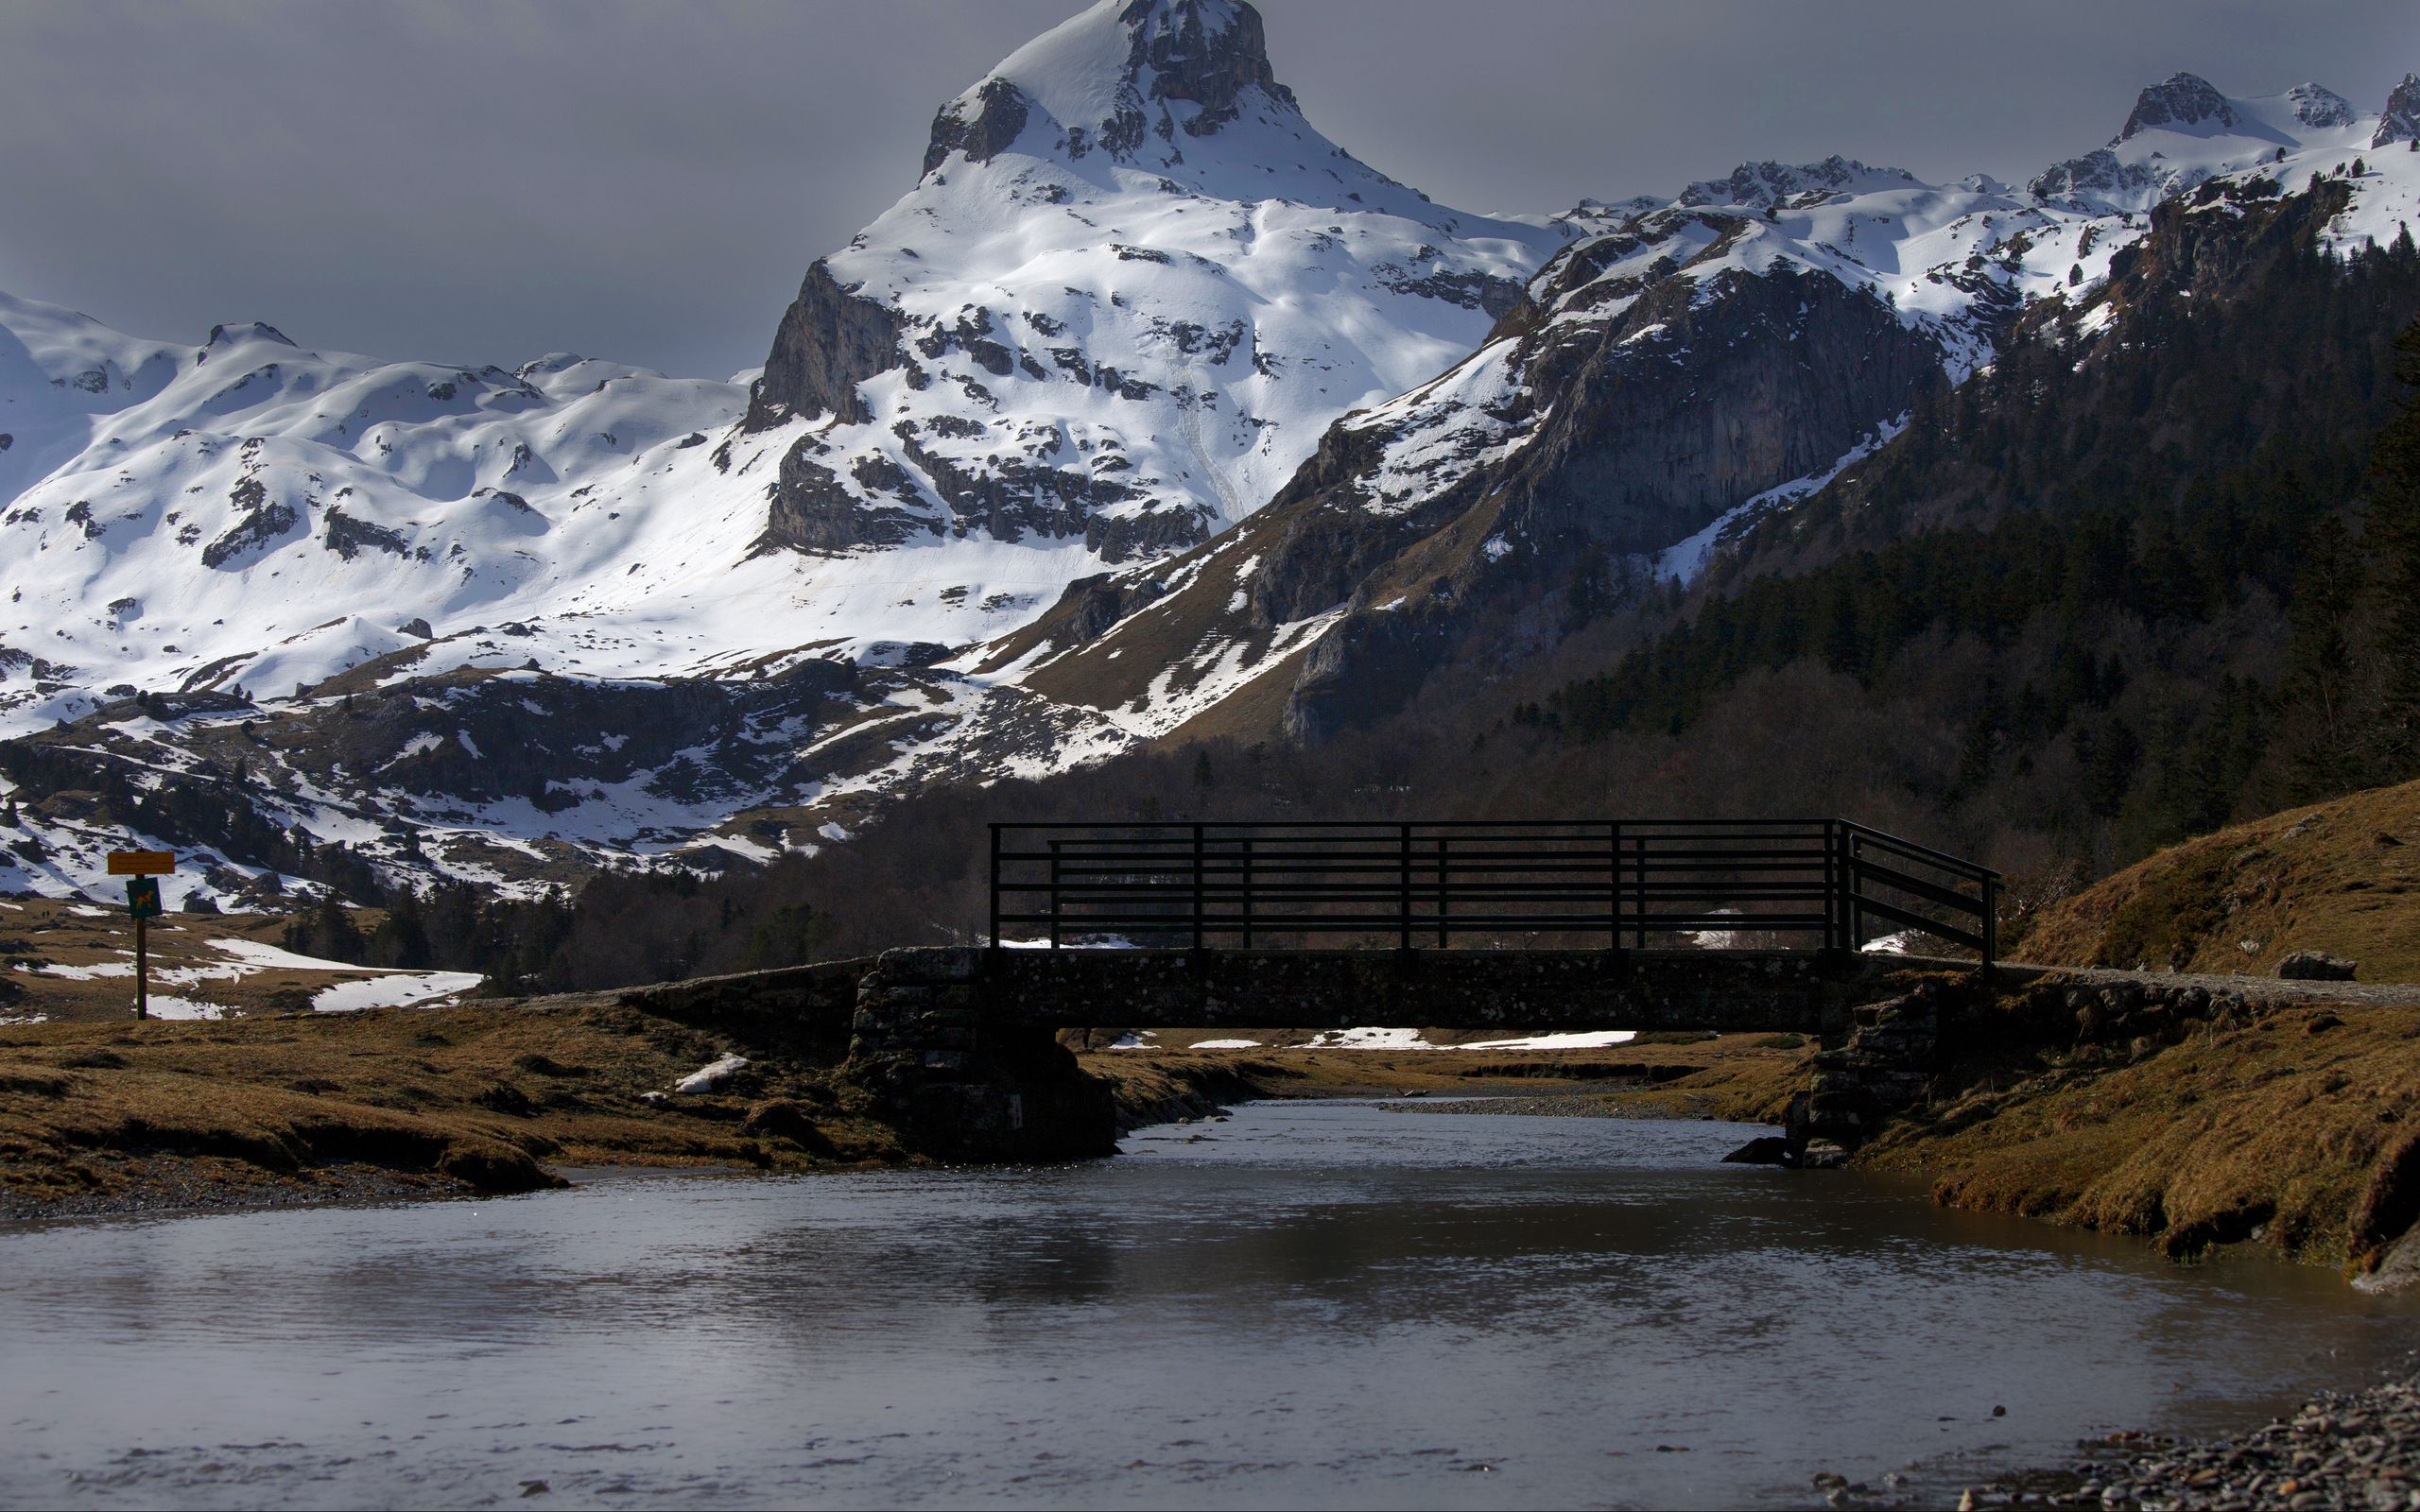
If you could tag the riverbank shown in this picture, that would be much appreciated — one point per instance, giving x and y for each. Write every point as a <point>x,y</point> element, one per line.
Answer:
<point>314,1109</point>
<point>2195,1120</point>
<point>2352,1450</point>
<point>304,1108</point>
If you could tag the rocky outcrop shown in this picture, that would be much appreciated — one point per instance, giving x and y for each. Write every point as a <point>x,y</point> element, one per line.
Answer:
<point>999,118</point>
<point>2401,120</point>
<point>811,510</point>
<point>830,340</point>
<point>2316,966</point>
<point>2181,99</point>
<point>1206,54</point>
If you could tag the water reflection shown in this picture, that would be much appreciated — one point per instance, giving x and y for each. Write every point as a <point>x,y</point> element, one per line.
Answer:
<point>1318,1302</point>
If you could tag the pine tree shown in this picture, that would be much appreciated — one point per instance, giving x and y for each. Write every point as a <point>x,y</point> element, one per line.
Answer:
<point>2319,721</point>
<point>2393,539</point>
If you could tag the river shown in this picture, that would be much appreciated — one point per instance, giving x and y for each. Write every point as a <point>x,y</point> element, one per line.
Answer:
<point>1312,1303</point>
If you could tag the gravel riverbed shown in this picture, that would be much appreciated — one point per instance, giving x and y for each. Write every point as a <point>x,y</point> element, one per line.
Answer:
<point>2353,1450</point>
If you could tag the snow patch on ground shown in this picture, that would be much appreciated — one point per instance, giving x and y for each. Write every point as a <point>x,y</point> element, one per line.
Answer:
<point>164,1007</point>
<point>1369,1039</point>
<point>1573,1040</point>
<point>707,1078</point>
<point>400,990</point>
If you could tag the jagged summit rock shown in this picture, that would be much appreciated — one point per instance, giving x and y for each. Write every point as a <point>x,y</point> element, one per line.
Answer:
<point>2401,120</point>
<point>1119,78</point>
<point>2320,109</point>
<point>1761,183</point>
<point>2179,101</point>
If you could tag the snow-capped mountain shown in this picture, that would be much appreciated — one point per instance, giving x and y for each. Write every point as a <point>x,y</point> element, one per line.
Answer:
<point>1131,289</point>
<point>2184,133</point>
<point>1147,410</point>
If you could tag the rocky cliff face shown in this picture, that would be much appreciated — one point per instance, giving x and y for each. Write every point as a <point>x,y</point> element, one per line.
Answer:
<point>2401,120</point>
<point>1640,432</point>
<point>830,341</point>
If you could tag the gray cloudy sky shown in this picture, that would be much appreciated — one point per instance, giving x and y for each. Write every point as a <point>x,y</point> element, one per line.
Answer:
<point>484,181</point>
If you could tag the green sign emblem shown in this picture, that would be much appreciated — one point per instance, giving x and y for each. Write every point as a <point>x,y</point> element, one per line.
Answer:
<point>143,897</point>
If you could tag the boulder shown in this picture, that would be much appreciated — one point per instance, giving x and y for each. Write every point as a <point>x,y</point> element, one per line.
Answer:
<point>1821,1155</point>
<point>2315,966</point>
<point>1767,1150</point>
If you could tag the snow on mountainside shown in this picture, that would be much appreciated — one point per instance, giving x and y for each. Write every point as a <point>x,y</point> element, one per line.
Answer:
<point>1684,368</point>
<point>1131,288</point>
<point>1057,457</point>
<point>2183,133</point>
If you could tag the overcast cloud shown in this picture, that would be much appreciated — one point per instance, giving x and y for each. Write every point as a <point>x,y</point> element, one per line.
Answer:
<point>484,181</point>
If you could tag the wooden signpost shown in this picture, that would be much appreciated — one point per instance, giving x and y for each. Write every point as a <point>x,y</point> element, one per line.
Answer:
<point>142,870</point>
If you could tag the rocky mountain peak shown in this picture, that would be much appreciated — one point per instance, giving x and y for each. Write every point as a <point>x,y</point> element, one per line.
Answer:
<point>225,336</point>
<point>1761,183</point>
<point>2320,107</point>
<point>1204,51</point>
<point>1100,77</point>
<point>2180,100</point>
<point>2402,119</point>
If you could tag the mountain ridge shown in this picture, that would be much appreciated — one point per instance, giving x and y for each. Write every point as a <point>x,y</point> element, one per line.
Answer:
<point>1067,453</point>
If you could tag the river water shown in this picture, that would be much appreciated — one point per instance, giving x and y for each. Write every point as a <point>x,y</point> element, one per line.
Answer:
<point>1310,1304</point>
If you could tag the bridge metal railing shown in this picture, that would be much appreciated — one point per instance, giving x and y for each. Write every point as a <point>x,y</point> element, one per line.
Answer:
<point>1610,884</point>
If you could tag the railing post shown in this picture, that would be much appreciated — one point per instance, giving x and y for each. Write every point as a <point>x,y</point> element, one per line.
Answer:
<point>1849,882</point>
<point>1638,895</point>
<point>1247,843</point>
<point>1054,895</point>
<point>995,886</point>
<point>1832,931</point>
<point>1991,930</point>
<point>1403,891</point>
<point>1444,896</point>
<point>1196,887</point>
<point>1614,886</point>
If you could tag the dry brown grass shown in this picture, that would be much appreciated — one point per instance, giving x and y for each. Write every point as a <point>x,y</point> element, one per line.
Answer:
<point>479,1097</point>
<point>2301,1130</point>
<point>2341,877</point>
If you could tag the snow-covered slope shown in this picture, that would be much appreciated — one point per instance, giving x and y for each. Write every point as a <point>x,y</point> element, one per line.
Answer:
<point>1680,371</point>
<point>2182,131</point>
<point>1060,455</point>
<point>1130,291</point>
<point>1130,317</point>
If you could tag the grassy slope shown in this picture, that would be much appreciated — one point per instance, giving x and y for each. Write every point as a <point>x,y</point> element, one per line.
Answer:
<point>2339,876</point>
<point>2300,1127</point>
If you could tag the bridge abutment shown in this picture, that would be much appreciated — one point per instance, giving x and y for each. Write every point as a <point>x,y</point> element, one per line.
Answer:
<point>1886,1067</point>
<point>958,1081</point>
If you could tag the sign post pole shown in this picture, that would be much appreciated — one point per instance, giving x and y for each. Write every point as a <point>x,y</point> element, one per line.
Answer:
<point>142,870</point>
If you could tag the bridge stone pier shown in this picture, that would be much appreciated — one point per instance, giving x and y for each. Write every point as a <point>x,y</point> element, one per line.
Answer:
<point>961,1043</point>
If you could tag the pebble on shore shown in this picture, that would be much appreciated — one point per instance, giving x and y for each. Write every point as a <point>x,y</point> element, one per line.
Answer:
<point>2356,1449</point>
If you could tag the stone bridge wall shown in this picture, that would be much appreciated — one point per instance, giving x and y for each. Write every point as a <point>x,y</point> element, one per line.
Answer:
<point>1741,990</point>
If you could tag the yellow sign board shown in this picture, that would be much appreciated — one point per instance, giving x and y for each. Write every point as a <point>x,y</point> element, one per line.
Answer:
<point>142,863</point>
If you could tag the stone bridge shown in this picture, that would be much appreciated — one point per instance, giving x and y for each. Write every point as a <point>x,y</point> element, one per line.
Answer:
<point>962,1042</point>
